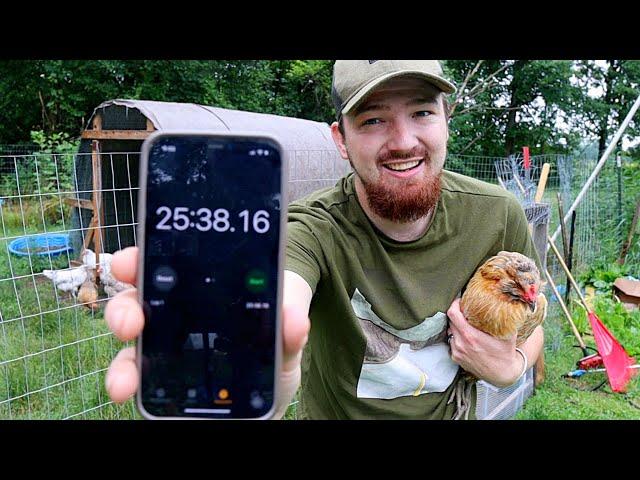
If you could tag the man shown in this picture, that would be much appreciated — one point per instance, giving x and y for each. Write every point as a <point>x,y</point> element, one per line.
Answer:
<point>378,261</point>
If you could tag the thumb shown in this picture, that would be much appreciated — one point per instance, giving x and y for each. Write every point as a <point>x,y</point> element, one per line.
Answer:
<point>456,317</point>
<point>295,334</point>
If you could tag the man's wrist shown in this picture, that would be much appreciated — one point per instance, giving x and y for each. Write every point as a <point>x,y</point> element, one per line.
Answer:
<point>516,369</point>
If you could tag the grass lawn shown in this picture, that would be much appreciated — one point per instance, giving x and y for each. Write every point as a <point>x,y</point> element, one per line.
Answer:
<point>573,399</point>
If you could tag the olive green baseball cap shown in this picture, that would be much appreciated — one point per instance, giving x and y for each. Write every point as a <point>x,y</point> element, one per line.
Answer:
<point>354,79</point>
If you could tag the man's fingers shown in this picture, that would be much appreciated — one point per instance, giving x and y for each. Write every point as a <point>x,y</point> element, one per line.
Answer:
<point>125,265</point>
<point>122,377</point>
<point>295,332</point>
<point>126,319</point>
<point>124,315</point>
<point>455,315</point>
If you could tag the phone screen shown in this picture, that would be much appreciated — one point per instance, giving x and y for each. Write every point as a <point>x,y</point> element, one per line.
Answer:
<point>211,271</point>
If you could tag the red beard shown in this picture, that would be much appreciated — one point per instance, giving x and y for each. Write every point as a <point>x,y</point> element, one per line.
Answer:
<point>403,205</point>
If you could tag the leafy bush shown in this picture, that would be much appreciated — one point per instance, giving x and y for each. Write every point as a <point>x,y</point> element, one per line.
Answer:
<point>55,163</point>
<point>602,275</point>
<point>55,170</point>
<point>624,325</point>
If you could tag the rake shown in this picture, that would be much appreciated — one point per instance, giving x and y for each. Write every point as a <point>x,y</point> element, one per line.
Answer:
<point>617,361</point>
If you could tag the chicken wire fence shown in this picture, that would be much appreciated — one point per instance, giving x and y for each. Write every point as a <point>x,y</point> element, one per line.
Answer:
<point>54,344</point>
<point>602,218</point>
<point>9,149</point>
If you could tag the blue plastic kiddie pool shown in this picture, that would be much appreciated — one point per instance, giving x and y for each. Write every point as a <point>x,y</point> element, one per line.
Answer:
<point>49,244</point>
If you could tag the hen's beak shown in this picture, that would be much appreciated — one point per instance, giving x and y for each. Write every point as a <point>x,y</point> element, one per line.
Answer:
<point>532,305</point>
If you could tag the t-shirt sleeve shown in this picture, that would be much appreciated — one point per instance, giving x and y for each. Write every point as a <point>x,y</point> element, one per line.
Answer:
<point>517,237</point>
<point>303,253</point>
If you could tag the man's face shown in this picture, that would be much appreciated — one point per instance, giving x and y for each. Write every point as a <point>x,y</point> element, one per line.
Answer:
<point>396,141</point>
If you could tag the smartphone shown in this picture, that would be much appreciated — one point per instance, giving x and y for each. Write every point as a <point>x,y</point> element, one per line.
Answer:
<point>211,233</point>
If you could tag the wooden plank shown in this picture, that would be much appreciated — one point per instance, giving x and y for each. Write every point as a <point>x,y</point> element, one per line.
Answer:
<point>97,197</point>
<point>79,203</point>
<point>150,127</point>
<point>542,183</point>
<point>115,134</point>
<point>90,234</point>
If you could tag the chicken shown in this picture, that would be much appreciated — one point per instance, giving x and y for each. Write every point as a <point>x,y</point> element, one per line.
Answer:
<point>502,298</point>
<point>69,279</point>
<point>89,258</point>
<point>111,285</point>
<point>88,294</point>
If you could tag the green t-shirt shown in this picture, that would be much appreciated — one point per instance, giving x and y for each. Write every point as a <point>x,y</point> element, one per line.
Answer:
<point>378,315</point>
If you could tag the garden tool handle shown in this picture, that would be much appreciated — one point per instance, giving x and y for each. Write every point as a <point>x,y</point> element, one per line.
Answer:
<point>566,270</point>
<point>566,312</point>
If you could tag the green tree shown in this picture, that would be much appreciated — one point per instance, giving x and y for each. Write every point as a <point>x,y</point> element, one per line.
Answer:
<point>613,86</point>
<point>522,106</point>
<point>60,95</point>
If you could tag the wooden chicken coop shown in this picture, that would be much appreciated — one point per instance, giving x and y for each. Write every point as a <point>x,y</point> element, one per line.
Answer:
<point>108,160</point>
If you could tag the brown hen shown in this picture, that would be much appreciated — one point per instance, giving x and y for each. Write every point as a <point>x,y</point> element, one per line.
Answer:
<point>88,292</point>
<point>502,298</point>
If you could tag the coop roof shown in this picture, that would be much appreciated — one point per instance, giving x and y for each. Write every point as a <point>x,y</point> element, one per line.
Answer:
<point>293,133</point>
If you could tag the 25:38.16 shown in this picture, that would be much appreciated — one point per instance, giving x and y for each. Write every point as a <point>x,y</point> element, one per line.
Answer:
<point>205,219</point>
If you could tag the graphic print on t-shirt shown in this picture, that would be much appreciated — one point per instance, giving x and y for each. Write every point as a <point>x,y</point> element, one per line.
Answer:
<point>400,363</point>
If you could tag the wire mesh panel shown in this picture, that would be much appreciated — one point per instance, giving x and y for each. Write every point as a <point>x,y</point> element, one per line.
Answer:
<point>495,403</point>
<point>8,150</point>
<point>54,344</point>
<point>518,177</point>
<point>480,167</point>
